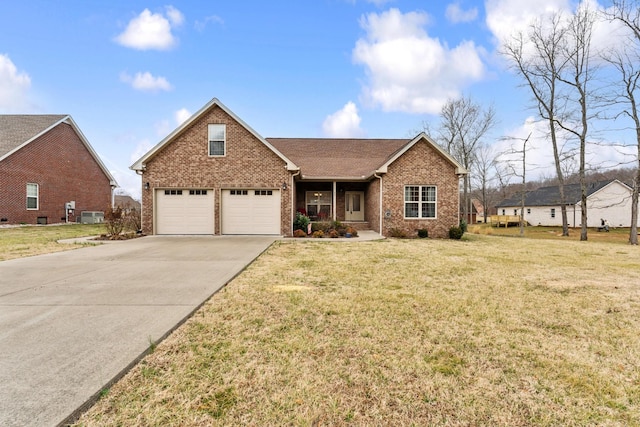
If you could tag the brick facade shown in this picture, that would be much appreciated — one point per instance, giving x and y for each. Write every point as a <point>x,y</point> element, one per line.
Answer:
<point>64,170</point>
<point>421,165</point>
<point>185,163</point>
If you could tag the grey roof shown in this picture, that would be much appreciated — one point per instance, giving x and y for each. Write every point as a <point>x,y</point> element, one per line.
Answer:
<point>16,130</point>
<point>550,196</point>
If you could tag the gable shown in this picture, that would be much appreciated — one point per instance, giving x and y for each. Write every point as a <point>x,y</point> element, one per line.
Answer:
<point>19,131</point>
<point>202,118</point>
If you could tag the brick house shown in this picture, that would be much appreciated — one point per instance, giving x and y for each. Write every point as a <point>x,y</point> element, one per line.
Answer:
<point>215,175</point>
<point>45,163</point>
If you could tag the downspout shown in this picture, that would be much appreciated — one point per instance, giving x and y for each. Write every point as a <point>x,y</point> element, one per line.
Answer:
<point>380,203</point>
<point>292,197</point>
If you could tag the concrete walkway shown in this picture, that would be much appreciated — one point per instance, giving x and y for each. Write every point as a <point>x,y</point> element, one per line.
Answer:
<point>71,322</point>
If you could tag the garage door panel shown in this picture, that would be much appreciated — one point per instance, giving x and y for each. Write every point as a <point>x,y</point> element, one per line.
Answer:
<point>185,211</point>
<point>251,212</point>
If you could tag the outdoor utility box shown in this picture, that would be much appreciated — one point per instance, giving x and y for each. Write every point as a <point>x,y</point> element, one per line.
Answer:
<point>91,217</point>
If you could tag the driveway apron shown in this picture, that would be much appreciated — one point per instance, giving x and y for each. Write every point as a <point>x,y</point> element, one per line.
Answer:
<point>70,322</point>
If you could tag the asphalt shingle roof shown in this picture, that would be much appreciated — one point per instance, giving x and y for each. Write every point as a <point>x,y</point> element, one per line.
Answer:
<point>550,196</point>
<point>338,158</point>
<point>15,130</point>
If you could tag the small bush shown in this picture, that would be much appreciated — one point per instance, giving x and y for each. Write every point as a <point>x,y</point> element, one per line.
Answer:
<point>398,233</point>
<point>342,231</point>
<point>334,234</point>
<point>423,233</point>
<point>323,226</point>
<point>318,234</point>
<point>353,231</point>
<point>463,226</point>
<point>301,222</point>
<point>114,220</point>
<point>299,233</point>
<point>455,232</point>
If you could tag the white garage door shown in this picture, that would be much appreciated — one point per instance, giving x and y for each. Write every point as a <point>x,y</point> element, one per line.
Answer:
<point>250,212</point>
<point>185,211</point>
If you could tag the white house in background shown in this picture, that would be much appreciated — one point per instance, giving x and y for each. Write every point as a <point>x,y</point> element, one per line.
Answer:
<point>610,200</point>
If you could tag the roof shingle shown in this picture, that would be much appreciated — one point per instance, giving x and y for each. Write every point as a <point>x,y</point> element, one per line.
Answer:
<point>320,158</point>
<point>15,130</point>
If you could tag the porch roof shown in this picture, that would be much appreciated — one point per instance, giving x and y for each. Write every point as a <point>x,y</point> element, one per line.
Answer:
<point>338,159</point>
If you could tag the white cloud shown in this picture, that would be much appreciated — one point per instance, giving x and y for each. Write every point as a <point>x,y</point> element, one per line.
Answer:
<point>409,71</point>
<point>146,82</point>
<point>152,30</point>
<point>456,14</point>
<point>507,17</point>
<point>344,123</point>
<point>182,115</point>
<point>201,25</point>
<point>14,86</point>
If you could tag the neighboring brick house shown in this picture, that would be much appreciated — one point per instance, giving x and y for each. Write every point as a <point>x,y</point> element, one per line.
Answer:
<point>45,163</point>
<point>215,175</point>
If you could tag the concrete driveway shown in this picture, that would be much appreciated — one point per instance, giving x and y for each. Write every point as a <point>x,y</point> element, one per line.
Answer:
<point>71,322</point>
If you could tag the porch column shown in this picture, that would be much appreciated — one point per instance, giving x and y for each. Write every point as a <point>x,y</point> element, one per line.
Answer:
<point>333,204</point>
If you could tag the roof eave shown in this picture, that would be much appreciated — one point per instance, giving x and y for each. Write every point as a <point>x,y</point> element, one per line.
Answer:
<point>140,164</point>
<point>460,170</point>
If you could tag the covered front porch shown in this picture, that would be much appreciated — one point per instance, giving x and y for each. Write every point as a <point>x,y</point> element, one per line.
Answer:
<point>347,202</point>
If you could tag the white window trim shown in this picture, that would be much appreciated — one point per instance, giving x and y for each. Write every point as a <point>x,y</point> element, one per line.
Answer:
<point>420,202</point>
<point>209,140</point>
<point>37,197</point>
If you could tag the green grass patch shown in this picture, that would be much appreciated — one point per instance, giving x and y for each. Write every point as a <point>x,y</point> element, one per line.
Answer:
<point>29,240</point>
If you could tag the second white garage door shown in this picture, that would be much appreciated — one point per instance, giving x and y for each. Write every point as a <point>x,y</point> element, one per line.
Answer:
<point>184,211</point>
<point>250,211</point>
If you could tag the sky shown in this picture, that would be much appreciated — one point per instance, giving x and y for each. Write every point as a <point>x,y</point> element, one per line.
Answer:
<point>130,72</point>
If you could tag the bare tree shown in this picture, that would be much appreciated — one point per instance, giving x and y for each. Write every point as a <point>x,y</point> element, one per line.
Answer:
<point>463,125</point>
<point>538,57</point>
<point>485,173</point>
<point>625,60</point>
<point>578,76</point>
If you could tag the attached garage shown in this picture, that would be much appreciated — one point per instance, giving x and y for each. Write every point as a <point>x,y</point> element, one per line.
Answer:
<point>185,211</point>
<point>251,211</point>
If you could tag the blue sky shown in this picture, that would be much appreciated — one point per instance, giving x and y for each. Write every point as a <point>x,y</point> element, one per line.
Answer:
<point>129,72</point>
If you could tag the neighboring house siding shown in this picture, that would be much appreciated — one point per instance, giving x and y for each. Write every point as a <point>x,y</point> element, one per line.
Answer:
<point>612,203</point>
<point>185,163</point>
<point>421,165</point>
<point>64,170</point>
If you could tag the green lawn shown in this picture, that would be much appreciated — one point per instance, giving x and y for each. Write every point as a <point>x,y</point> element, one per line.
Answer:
<point>481,332</point>
<point>29,240</point>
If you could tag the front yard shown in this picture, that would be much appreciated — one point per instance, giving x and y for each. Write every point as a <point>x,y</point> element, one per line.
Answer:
<point>484,331</point>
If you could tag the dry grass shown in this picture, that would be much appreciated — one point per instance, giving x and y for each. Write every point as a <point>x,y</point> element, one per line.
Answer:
<point>485,331</point>
<point>30,240</point>
<point>615,235</point>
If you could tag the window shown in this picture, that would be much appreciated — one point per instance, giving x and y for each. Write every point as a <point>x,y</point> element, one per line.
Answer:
<point>528,211</point>
<point>553,212</point>
<point>197,192</point>
<point>263,192</point>
<point>420,201</point>
<point>217,140</point>
<point>32,197</point>
<point>503,212</point>
<point>239,192</point>
<point>319,204</point>
<point>173,192</point>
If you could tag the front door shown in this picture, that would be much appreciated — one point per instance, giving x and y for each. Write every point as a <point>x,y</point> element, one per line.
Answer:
<point>354,206</point>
